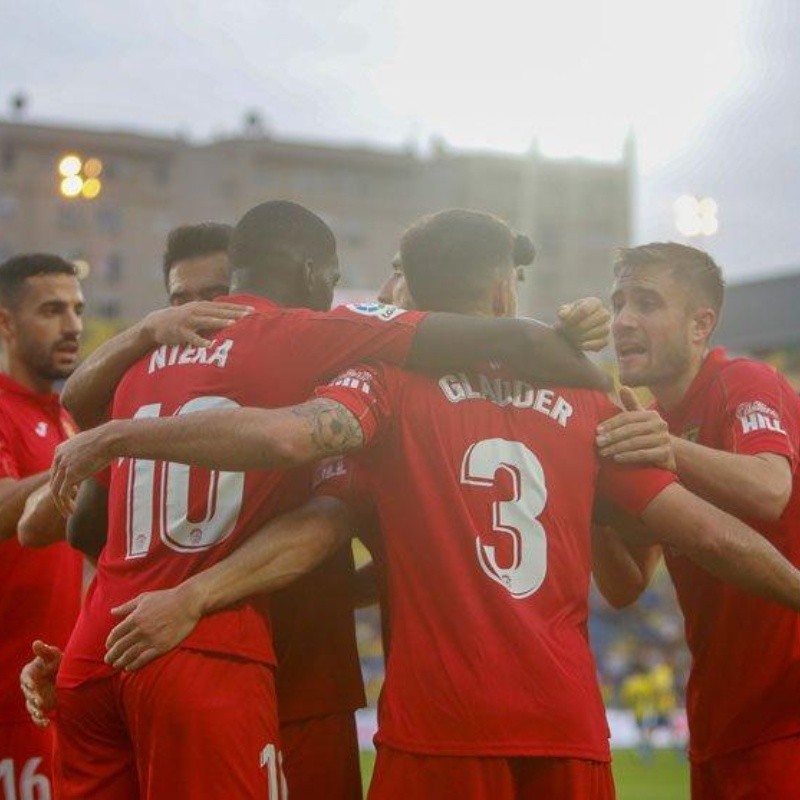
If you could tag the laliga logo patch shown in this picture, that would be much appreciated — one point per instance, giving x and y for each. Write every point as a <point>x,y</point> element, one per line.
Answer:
<point>758,416</point>
<point>379,310</point>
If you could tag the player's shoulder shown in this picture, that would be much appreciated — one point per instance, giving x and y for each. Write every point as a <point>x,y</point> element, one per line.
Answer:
<point>749,373</point>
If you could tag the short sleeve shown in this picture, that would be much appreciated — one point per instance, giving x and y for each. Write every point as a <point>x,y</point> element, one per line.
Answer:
<point>632,488</point>
<point>349,334</point>
<point>761,412</point>
<point>8,461</point>
<point>365,392</point>
<point>344,479</point>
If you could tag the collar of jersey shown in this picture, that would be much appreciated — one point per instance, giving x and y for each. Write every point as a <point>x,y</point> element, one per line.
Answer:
<point>8,384</point>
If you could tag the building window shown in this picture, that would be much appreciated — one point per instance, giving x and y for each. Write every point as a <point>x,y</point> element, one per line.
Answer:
<point>109,220</point>
<point>112,268</point>
<point>8,158</point>
<point>70,217</point>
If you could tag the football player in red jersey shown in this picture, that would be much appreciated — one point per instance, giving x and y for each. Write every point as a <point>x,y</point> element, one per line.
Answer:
<point>730,428</point>
<point>41,305</point>
<point>167,522</point>
<point>484,486</point>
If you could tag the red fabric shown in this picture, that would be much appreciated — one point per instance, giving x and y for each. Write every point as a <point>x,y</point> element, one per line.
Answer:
<point>399,776</point>
<point>321,758</point>
<point>40,589</point>
<point>732,702</point>
<point>147,733</point>
<point>29,750</point>
<point>487,594</point>
<point>768,772</point>
<point>273,358</point>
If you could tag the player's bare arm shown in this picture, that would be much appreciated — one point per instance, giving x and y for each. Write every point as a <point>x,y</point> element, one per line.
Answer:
<point>87,526</point>
<point>14,493</point>
<point>41,523</point>
<point>88,393</point>
<point>750,486</point>
<point>38,682</point>
<point>531,349</point>
<point>721,544</point>
<point>623,558</point>
<point>233,440</point>
<point>282,551</point>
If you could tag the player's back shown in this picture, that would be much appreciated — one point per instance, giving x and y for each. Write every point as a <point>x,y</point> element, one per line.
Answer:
<point>168,521</point>
<point>484,487</point>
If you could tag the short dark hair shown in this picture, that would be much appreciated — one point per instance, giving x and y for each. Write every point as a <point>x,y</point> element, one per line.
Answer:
<point>194,241</point>
<point>17,269</point>
<point>694,269</point>
<point>449,258</point>
<point>274,235</point>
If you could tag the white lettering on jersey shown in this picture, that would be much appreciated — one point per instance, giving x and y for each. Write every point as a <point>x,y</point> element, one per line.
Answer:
<point>501,392</point>
<point>355,379</point>
<point>41,429</point>
<point>380,310</point>
<point>214,356</point>
<point>758,416</point>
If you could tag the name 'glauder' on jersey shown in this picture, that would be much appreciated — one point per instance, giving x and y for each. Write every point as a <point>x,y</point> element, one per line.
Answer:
<point>504,392</point>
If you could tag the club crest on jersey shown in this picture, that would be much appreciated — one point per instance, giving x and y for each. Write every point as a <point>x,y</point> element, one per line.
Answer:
<point>381,311</point>
<point>758,416</point>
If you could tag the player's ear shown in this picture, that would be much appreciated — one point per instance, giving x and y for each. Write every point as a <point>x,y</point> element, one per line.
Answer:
<point>308,274</point>
<point>6,323</point>
<point>704,320</point>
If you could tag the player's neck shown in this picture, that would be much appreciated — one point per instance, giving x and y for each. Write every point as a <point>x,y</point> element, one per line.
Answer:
<point>19,371</point>
<point>670,393</point>
<point>280,294</point>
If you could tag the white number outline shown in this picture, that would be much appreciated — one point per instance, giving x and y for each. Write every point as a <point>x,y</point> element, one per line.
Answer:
<point>518,517</point>
<point>223,504</point>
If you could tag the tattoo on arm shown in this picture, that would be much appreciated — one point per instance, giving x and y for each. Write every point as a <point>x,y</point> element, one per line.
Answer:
<point>332,428</point>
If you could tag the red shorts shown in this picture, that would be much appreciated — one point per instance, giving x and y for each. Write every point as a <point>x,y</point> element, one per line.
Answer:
<point>399,775</point>
<point>321,759</point>
<point>25,760</point>
<point>769,771</point>
<point>189,724</point>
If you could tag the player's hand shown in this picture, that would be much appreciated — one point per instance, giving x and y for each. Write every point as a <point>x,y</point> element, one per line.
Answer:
<point>38,682</point>
<point>185,324</point>
<point>75,460</point>
<point>586,323</point>
<point>154,623</point>
<point>636,435</point>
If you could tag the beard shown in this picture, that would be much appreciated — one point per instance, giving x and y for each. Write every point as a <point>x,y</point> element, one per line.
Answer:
<point>43,361</point>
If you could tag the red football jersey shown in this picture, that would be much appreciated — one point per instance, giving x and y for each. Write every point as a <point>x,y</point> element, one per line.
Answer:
<point>169,521</point>
<point>40,588</point>
<point>744,686</point>
<point>484,487</point>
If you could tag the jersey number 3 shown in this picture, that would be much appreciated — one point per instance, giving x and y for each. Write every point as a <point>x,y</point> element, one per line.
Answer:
<point>170,514</point>
<point>516,518</point>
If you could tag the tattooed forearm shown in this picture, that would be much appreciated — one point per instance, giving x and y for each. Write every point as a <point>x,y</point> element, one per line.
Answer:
<point>332,429</point>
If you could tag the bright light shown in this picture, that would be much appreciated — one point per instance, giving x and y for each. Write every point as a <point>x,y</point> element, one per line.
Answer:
<point>93,167</point>
<point>709,226</point>
<point>71,186</point>
<point>82,269</point>
<point>696,217</point>
<point>69,166</point>
<point>91,188</point>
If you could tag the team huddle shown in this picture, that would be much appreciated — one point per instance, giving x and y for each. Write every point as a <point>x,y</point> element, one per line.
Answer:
<point>233,445</point>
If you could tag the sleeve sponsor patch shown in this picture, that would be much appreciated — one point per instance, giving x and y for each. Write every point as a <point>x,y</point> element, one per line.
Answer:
<point>758,416</point>
<point>380,311</point>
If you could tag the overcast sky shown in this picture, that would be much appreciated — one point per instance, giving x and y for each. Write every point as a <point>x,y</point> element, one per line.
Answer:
<point>710,87</point>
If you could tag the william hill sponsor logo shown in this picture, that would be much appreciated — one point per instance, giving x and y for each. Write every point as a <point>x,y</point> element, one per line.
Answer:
<point>758,416</point>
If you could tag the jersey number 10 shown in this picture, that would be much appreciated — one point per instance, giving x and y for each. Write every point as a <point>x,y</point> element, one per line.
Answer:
<point>169,514</point>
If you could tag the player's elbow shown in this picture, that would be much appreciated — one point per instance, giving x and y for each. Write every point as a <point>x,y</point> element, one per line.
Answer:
<point>771,500</point>
<point>621,594</point>
<point>30,535</point>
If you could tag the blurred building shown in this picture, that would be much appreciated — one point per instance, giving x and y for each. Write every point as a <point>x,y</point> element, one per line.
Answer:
<point>761,319</point>
<point>576,211</point>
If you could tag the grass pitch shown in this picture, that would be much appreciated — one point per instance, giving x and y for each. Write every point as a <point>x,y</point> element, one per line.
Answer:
<point>665,778</point>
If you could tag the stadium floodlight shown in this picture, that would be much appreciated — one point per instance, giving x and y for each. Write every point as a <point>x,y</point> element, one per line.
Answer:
<point>696,216</point>
<point>79,177</point>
